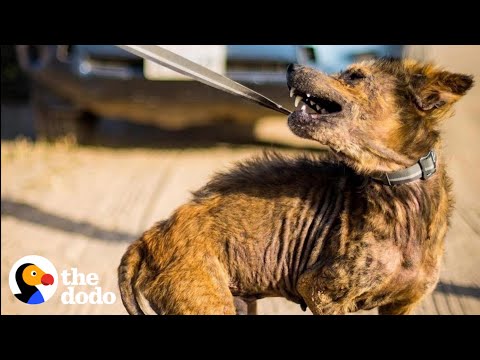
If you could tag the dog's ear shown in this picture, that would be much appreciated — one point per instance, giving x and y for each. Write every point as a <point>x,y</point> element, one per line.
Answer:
<point>436,90</point>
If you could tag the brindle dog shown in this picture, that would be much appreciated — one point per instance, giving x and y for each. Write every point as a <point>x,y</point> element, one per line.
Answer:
<point>321,231</point>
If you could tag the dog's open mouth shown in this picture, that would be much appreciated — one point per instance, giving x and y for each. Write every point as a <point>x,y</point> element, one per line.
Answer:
<point>320,105</point>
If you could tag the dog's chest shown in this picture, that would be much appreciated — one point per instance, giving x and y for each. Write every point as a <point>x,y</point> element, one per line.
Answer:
<point>399,244</point>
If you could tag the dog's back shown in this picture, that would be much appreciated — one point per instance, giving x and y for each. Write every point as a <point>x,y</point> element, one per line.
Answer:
<point>256,228</point>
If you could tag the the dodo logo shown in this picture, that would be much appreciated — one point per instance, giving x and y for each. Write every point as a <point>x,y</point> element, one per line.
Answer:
<point>33,279</point>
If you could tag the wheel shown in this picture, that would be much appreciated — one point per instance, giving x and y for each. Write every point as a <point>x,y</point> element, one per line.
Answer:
<point>55,118</point>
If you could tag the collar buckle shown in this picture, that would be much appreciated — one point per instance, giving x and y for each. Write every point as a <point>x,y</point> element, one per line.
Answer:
<point>428,164</point>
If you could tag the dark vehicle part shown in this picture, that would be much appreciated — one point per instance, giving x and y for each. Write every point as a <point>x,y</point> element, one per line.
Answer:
<point>56,118</point>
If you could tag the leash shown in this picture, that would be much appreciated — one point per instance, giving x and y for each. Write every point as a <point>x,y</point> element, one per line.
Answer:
<point>423,169</point>
<point>162,56</point>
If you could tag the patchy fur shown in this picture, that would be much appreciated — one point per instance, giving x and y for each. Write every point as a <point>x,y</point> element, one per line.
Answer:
<point>314,229</point>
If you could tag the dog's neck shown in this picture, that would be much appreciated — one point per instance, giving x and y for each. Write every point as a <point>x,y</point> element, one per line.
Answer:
<point>413,171</point>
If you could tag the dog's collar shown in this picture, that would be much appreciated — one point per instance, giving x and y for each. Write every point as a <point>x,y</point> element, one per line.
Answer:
<point>423,169</point>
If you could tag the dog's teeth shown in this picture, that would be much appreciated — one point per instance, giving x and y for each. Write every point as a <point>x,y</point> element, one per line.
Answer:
<point>292,92</point>
<point>324,111</point>
<point>304,107</point>
<point>308,95</point>
<point>297,100</point>
<point>312,103</point>
<point>318,107</point>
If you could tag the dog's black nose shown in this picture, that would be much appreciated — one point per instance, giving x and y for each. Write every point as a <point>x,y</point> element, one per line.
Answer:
<point>293,67</point>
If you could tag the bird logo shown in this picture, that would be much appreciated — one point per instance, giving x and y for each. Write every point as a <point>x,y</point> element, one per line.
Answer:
<point>33,279</point>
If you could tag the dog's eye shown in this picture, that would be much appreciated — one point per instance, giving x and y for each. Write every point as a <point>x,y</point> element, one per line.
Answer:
<point>354,76</point>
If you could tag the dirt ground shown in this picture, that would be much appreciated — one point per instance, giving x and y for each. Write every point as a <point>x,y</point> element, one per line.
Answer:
<point>81,206</point>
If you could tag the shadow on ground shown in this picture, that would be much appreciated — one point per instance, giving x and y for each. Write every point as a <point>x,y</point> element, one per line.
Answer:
<point>29,213</point>
<point>470,291</point>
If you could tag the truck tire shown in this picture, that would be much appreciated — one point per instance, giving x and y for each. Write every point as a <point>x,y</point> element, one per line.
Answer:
<point>55,118</point>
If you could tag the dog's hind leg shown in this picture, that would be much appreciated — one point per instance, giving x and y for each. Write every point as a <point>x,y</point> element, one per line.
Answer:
<point>198,288</point>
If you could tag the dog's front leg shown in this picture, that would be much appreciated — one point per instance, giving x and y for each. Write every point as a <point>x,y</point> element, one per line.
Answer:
<point>245,307</point>
<point>241,307</point>
<point>252,307</point>
<point>397,308</point>
<point>327,292</point>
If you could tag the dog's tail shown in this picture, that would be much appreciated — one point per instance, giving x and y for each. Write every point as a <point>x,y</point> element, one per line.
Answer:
<point>127,277</point>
